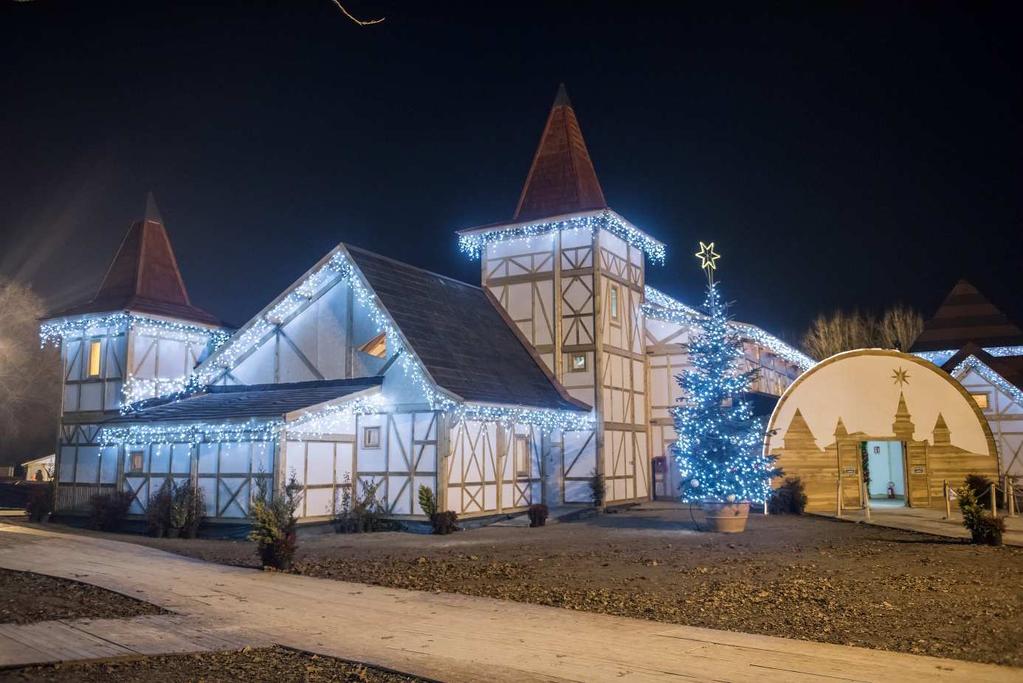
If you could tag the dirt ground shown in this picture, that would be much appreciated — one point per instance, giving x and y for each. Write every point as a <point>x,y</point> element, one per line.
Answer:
<point>27,597</point>
<point>259,664</point>
<point>797,577</point>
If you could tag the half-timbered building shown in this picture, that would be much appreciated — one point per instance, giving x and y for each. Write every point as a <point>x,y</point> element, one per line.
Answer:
<point>972,340</point>
<point>371,374</point>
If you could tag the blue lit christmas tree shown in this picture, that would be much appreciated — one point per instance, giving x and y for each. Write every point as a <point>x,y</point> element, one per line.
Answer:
<point>719,445</point>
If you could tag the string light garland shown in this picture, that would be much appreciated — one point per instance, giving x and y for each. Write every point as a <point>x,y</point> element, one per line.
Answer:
<point>985,371</point>
<point>56,332</point>
<point>193,433</point>
<point>473,244</point>
<point>942,357</point>
<point>339,268</point>
<point>660,306</point>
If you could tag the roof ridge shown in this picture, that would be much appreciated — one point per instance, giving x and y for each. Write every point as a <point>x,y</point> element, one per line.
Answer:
<point>352,247</point>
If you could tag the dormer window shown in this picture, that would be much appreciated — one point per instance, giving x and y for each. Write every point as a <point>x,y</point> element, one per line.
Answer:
<point>95,354</point>
<point>377,346</point>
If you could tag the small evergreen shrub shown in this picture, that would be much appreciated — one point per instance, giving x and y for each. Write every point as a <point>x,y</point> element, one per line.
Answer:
<point>158,512</point>
<point>598,489</point>
<point>979,484</point>
<point>984,528</point>
<point>39,503</point>
<point>190,505</point>
<point>427,501</point>
<point>273,523</point>
<point>108,510</point>
<point>789,498</point>
<point>361,514</point>
<point>538,515</point>
<point>444,522</point>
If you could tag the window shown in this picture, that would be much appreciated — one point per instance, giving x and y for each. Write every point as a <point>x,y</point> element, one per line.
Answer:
<point>981,400</point>
<point>136,461</point>
<point>521,455</point>
<point>95,349</point>
<point>614,302</point>
<point>377,346</point>
<point>371,437</point>
<point>578,362</point>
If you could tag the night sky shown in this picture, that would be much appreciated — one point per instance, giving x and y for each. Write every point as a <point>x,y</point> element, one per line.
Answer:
<point>840,154</point>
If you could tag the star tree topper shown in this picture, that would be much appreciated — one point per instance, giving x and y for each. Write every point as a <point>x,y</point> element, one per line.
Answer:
<point>708,258</point>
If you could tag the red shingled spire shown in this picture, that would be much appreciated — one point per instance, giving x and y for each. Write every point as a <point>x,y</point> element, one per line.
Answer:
<point>561,179</point>
<point>965,316</point>
<point>144,276</point>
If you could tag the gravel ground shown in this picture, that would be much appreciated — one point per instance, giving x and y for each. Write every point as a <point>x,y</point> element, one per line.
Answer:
<point>797,577</point>
<point>260,664</point>
<point>27,597</point>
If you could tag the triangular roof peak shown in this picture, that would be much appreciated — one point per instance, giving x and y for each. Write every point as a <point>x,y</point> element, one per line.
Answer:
<point>144,276</point>
<point>561,179</point>
<point>966,316</point>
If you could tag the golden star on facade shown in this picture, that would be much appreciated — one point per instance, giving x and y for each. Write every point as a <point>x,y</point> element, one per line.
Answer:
<point>707,256</point>
<point>900,376</point>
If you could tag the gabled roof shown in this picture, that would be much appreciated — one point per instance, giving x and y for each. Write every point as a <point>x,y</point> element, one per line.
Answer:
<point>144,277</point>
<point>464,342</point>
<point>250,400</point>
<point>1010,368</point>
<point>561,179</point>
<point>967,316</point>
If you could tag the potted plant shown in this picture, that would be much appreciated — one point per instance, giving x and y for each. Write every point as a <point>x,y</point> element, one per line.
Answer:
<point>720,441</point>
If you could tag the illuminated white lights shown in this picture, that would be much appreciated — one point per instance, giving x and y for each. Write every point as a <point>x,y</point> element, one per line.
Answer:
<point>660,306</point>
<point>473,244</point>
<point>56,332</point>
<point>193,433</point>
<point>985,371</point>
<point>942,357</point>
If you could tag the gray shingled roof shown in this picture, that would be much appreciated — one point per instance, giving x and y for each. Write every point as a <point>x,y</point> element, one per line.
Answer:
<point>464,342</point>
<point>250,400</point>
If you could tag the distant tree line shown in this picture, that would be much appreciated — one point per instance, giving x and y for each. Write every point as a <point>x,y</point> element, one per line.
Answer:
<point>896,328</point>
<point>29,378</point>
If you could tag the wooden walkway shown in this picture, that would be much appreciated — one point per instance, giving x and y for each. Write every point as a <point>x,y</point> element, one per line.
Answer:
<point>443,636</point>
<point>926,521</point>
<point>62,641</point>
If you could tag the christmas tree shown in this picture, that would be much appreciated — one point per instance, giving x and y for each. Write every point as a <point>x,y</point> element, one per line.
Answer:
<point>719,445</point>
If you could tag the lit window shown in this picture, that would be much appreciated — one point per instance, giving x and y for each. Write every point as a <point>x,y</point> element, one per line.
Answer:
<point>377,346</point>
<point>95,348</point>
<point>614,302</point>
<point>136,461</point>
<point>371,437</point>
<point>522,455</point>
<point>981,400</point>
<point>578,362</point>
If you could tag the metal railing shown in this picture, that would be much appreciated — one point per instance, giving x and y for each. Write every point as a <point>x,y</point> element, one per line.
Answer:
<point>1010,489</point>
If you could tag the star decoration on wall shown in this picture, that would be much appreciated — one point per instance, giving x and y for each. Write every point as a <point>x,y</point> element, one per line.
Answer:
<point>900,376</point>
<point>708,258</point>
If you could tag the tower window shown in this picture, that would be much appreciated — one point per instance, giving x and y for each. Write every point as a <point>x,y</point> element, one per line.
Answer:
<point>981,400</point>
<point>614,302</point>
<point>95,351</point>
<point>371,437</point>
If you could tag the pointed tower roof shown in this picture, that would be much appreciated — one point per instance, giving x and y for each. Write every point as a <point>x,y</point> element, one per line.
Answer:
<point>798,435</point>
<point>562,179</point>
<point>903,426</point>
<point>941,433</point>
<point>840,429</point>
<point>144,276</point>
<point>966,316</point>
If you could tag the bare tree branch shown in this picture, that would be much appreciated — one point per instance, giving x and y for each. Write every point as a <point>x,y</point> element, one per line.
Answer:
<point>360,22</point>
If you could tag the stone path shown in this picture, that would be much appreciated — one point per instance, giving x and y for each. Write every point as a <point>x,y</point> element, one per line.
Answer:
<point>443,636</point>
<point>926,520</point>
